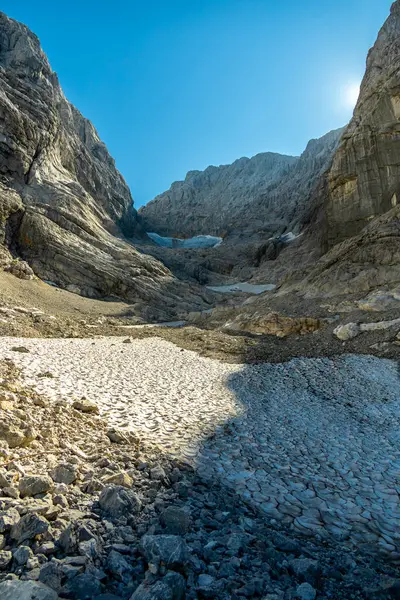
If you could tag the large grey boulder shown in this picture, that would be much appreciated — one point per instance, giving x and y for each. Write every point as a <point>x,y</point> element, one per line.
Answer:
<point>26,590</point>
<point>171,587</point>
<point>117,501</point>
<point>31,485</point>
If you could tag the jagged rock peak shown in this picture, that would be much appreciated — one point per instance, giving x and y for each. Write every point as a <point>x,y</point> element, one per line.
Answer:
<point>364,180</point>
<point>266,191</point>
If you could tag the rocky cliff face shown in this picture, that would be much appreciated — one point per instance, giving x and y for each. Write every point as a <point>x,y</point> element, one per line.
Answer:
<point>364,180</point>
<point>63,205</point>
<point>267,192</point>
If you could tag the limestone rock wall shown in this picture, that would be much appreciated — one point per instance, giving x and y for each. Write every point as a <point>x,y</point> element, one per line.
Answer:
<point>268,192</point>
<point>364,180</point>
<point>64,207</point>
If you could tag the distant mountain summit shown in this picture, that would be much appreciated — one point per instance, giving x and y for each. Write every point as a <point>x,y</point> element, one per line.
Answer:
<point>268,191</point>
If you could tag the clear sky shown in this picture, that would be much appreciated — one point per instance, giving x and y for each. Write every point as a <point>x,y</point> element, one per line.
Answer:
<point>175,85</point>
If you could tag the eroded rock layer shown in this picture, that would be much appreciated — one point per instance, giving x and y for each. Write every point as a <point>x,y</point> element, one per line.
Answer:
<point>64,207</point>
<point>364,181</point>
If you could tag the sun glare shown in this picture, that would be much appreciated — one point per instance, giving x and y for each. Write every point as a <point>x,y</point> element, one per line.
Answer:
<point>351,93</point>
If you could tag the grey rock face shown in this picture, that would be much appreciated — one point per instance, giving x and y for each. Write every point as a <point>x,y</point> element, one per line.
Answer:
<point>64,207</point>
<point>364,180</point>
<point>268,191</point>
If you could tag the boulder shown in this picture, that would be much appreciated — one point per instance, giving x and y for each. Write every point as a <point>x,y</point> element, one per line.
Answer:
<point>64,473</point>
<point>8,519</point>
<point>170,550</point>
<point>20,269</point>
<point>22,555</point>
<point>5,559</point>
<point>26,590</point>
<point>16,437</point>
<point>31,485</point>
<point>176,520</point>
<point>347,332</point>
<point>117,501</point>
<point>122,479</point>
<point>28,527</point>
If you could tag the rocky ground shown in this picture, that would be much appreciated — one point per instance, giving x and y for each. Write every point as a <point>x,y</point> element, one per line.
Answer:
<point>179,476</point>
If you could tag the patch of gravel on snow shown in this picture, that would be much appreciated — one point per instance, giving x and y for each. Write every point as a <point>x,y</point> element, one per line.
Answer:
<point>312,443</point>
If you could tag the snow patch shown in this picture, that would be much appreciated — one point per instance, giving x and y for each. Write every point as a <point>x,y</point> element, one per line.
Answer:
<point>200,241</point>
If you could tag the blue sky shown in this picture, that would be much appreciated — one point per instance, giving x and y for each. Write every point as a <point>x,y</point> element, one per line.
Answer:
<point>175,85</point>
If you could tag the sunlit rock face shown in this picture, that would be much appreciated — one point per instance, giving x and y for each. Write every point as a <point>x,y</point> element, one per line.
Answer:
<point>64,206</point>
<point>268,192</point>
<point>364,180</point>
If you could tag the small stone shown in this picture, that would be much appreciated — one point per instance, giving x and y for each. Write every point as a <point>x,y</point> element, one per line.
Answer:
<point>347,332</point>
<point>305,591</point>
<point>127,341</point>
<point>29,526</point>
<point>171,550</point>
<point>306,569</point>
<point>11,491</point>
<point>157,473</point>
<point>85,406</point>
<point>64,473</point>
<point>5,559</point>
<point>60,500</point>
<point>31,485</point>
<point>16,437</point>
<point>122,479</point>
<point>117,501</point>
<point>205,581</point>
<point>22,555</point>
<point>117,437</point>
<point>119,567</point>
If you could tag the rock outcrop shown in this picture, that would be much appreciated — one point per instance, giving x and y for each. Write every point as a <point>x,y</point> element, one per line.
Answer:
<point>364,180</point>
<point>266,193</point>
<point>64,207</point>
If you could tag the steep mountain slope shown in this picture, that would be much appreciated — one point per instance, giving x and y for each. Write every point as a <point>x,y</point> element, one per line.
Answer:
<point>267,192</point>
<point>364,180</point>
<point>63,205</point>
